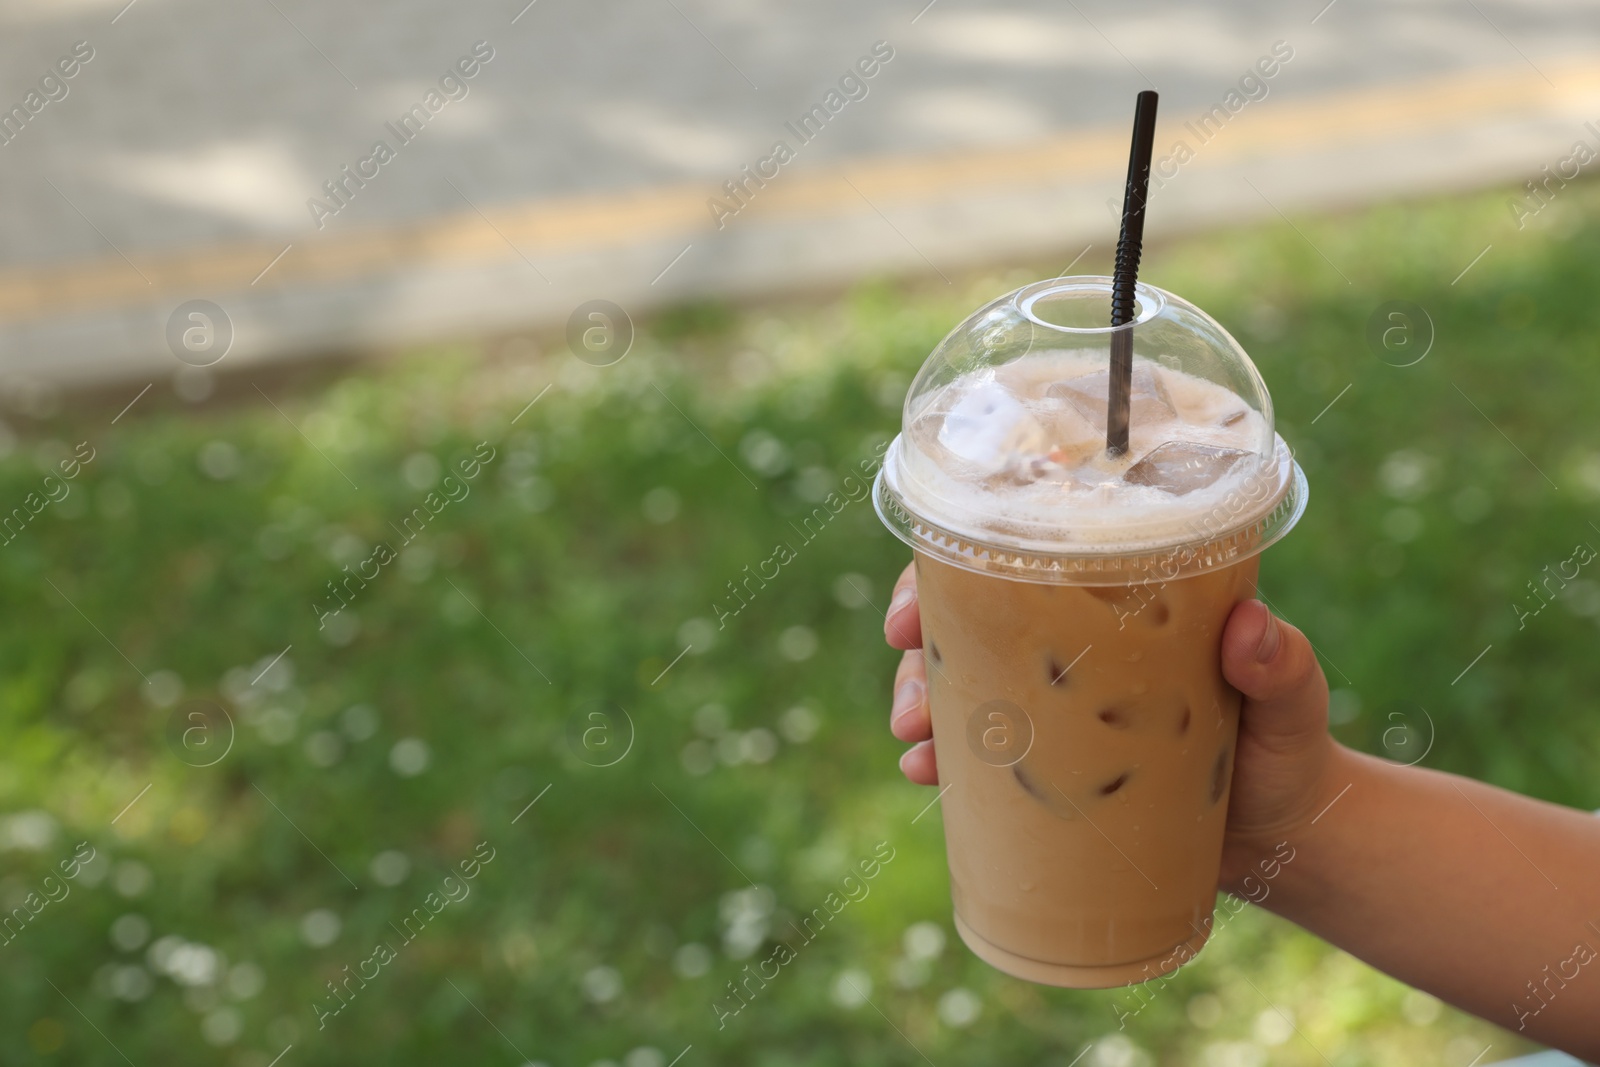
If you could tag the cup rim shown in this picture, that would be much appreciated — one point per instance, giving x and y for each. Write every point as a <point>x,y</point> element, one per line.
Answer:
<point>1250,531</point>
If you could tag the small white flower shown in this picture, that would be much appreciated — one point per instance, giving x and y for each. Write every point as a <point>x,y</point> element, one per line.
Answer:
<point>245,980</point>
<point>758,746</point>
<point>324,748</point>
<point>193,964</point>
<point>698,635</point>
<point>319,927</point>
<point>409,757</point>
<point>661,505</point>
<point>163,689</point>
<point>691,960</point>
<point>222,1027</point>
<point>852,590</point>
<point>130,932</point>
<point>923,941</point>
<point>131,878</point>
<point>1274,1026</point>
<point>798,643</point>
<point>960,1008</point>
<point>28,830</point>
<point>851,989</point>
<point>359,722</point>
<point>602,984</point>
<point>131,983</point>
<point>420,470</point>
<point>798,725</point>
<point>219,460</point>
<point>390,868</point>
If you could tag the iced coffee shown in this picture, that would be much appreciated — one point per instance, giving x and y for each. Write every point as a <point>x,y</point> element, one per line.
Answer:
<point>1072,606</point>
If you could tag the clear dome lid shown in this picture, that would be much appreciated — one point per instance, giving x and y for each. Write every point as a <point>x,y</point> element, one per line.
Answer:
<point>1001,463</point>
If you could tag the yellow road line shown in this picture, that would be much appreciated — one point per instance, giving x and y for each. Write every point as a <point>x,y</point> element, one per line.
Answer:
<point>596,220</point>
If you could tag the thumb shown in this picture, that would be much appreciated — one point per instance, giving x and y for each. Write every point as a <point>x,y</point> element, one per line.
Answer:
<point>1273,665</point>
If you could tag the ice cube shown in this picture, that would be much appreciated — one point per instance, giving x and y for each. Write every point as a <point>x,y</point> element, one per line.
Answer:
<point>991,429</point>
<point>1039,785</point>
<point>1053,466</point>
<point>1149,402</point>
<point>1180,467</point>
<point>1073,447</point>
<point>1219,776</point>
<point>1072,438</point>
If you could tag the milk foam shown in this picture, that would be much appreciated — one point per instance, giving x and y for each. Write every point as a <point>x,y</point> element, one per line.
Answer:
<point>1018,451</point>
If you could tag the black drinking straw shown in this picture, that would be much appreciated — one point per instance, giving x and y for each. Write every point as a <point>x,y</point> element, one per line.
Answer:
<point>1119,393</point>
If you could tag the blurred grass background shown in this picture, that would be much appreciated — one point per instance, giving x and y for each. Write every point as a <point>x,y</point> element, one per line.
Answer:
<point>383,748</point>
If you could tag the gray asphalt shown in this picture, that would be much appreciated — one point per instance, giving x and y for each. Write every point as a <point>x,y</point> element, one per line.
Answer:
<point>197,121</point>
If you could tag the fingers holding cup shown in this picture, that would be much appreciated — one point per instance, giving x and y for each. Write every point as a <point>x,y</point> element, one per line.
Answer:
<point>902,626</point>
<point>909,719</point>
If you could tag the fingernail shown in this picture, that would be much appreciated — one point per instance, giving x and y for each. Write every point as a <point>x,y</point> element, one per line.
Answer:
<point>906,698</point>
<point>902,597</point>
<point>1270,640</point>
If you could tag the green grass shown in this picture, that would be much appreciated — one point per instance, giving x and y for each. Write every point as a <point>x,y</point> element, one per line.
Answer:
<point>584,558</point>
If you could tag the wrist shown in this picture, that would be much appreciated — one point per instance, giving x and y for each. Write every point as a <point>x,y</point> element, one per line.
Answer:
<point>1255,851</point>
<point>1305,856</point>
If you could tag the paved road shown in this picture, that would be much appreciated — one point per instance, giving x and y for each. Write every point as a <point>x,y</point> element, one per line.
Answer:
<point>199,126</point>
